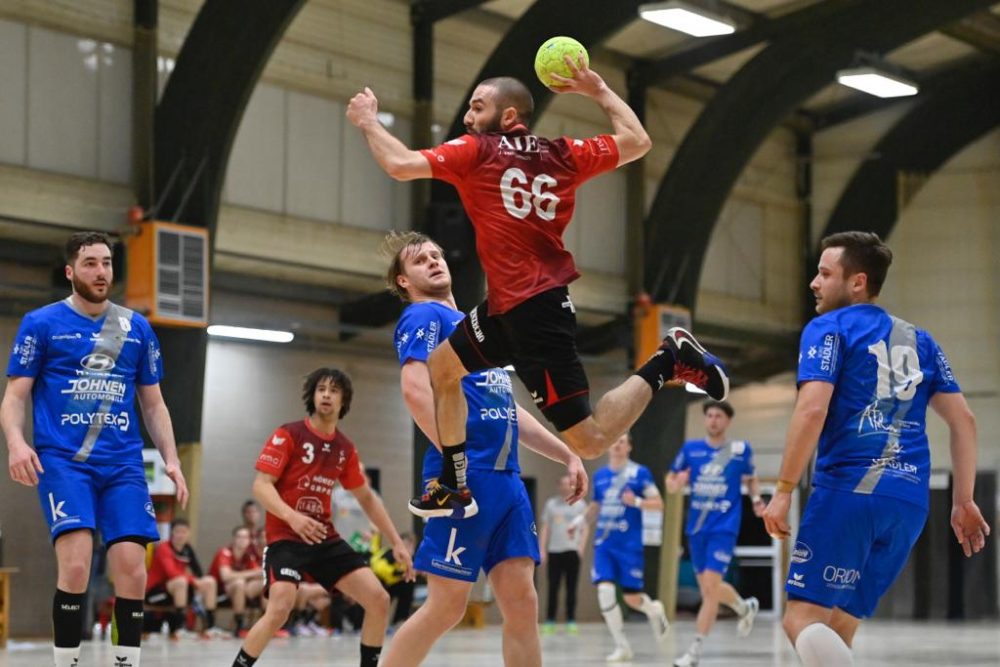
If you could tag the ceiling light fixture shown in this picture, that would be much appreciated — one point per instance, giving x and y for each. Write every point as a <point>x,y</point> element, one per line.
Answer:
<point>244,333</point>
<point>876,81</point>
<point>687,18</point>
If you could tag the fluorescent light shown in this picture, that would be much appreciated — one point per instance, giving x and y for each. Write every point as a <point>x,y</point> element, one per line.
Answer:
<point>876,82</point>
<point>687,19</point>
<point>266,335</point>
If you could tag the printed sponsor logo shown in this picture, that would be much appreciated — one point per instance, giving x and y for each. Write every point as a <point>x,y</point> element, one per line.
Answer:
<point>26,350</point>
<point>522,144</point>
<point>56,507</point>
<point>494,381</point>
<point>289,572</point>
<point>96,389</point>
<point>276,441</point>
<point>154,356</point>
<point>497,414</point>
<point>120,420</point>
<point>476,329</point>
<point>796,580</point>
<point>452,554</point>
<point>944,368</point>
<point>310,505</point>
<point>802,553</point>
<point>812,352</point>
<point>828,354</point>
<point>124,323</point>
<point>841,577</point>
<point>123,661</point>
<point>722,556</point>
<point>269,459</point>
<point>72,336</point>
<point>432,335</point>
<point>150,510</point>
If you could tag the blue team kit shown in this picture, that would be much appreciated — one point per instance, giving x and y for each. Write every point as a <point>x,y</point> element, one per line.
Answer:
<point>86,433</point>
<point>873,462</point>
<point>618,553</point>
<point>505,525</point>
<point>716,505</point>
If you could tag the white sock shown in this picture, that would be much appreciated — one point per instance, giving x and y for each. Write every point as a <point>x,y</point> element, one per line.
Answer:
<point>125,656</point>
<point>612,613</point>
<point>66,657</point>
<point>740,606</point>
<point>819,646</point>
<point>646,606</point>
<point>695,648</point>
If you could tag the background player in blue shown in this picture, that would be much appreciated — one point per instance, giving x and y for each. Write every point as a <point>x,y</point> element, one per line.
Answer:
<point>865,381</point>
<point>501,538</point>
<point>622,489</point>
<point>83,361</point>
<point>719,468</point>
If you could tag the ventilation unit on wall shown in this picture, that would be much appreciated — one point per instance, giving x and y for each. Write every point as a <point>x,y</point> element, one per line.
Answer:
<point>168,273</point>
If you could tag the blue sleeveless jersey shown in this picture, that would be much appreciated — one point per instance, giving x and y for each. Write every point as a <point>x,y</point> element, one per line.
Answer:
<point>716,475</point>
<point>85,372</point>
<point>619,526</point>
<point>884,371</point>
<point>491,429</point>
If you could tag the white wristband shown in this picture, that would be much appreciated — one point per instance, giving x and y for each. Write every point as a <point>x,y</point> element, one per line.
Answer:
<point>637,503</point>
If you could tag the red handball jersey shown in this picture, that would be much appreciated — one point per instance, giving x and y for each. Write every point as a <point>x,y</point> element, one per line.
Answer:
<point>519,190</point>
<point>307,464</point>
<point>224,557</point>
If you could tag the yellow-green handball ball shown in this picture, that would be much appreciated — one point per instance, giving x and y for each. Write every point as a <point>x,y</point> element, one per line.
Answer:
<point>549,59</point>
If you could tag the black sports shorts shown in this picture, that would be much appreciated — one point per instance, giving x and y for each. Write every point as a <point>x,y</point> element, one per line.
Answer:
<point>538,336</point>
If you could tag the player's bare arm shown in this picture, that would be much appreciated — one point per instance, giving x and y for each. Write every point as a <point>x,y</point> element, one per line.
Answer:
<point>415,381</point>
<point>630,136</point>
<point>804,429</point>
<point>753,485</point>
<point>161,430</point>
<point>392,155</point>
<point>540,440</point>
<point>22,460</point>
<point>967,521</point>
<point>651,499</point>
<point>375,511</point>
<point>310,530</point>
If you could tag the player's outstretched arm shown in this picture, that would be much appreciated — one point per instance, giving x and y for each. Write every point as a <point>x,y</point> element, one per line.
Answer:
<point>630,136</point>
<point>392,155</point>
<point>374,509</point>
<point>161,431</point>
<point>967,521</point>
<point>23,462</point>
<point>538,439</point>
<point>804,429</point>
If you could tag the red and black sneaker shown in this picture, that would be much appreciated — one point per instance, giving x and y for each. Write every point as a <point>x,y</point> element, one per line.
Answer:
<point>440,500</point>
<point>696,365</point>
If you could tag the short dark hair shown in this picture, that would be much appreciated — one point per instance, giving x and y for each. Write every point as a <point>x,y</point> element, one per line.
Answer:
<point>341,379</point>
<point>722,405</point>
<point>510,92</point>
<point>80,240</point>
<point>249,502</point>
<point>394,246</point>
<point>179,522</point>
<point>864,252</point>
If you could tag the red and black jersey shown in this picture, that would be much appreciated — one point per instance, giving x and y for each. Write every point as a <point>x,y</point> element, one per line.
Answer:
<point>169,564</point>
<point>307,465</point>
<point>224,557</point>
<point>519,190</point>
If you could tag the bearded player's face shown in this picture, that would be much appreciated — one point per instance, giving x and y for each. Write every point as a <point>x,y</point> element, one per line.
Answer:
<point>91,274</point>
<point>483,114</point>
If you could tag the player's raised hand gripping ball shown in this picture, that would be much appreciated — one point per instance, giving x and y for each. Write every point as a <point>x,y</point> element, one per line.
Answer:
<point>550,59</point>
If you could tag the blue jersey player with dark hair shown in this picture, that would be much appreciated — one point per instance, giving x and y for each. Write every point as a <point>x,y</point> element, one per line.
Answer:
<point>500,537</point>
<point>622,490</point>
<point>865,380</point>
<point>83,361</point>
<point>717,469</point>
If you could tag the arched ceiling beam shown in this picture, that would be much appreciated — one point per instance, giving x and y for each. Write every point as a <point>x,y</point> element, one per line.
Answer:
<point>941,125</point>
<point>734,124</point>
<point>202,106</point>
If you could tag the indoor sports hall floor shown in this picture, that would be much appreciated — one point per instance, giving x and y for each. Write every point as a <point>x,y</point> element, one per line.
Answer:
<point>878,644</point>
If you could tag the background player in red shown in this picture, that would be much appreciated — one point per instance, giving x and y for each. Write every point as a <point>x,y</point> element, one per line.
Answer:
<point>519,191</point>
<point>238,575</point>
<point>296,472</point>
<point>175,575</point>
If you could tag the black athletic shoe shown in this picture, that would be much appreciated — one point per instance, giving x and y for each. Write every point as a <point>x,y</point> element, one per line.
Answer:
<point>696,365</point>
<point>439,500</point>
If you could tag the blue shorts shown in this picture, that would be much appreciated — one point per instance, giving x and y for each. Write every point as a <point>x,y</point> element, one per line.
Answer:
<point>504,528</point>
<point>622,566</point>
<point>113,498</point>
<point>850,548</point>
<point>711,551</point>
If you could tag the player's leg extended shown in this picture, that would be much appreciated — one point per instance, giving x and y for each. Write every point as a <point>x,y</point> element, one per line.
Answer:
<point>127,567</point>
<point>614,414</point>
<point>655,614</point>
<point>514,587</point>
<point>817,643</point>
<point>364,586</point>
<point>444,608</point>
<point>450,409</point>
<point>280,600</point>
<point>73,553</point>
